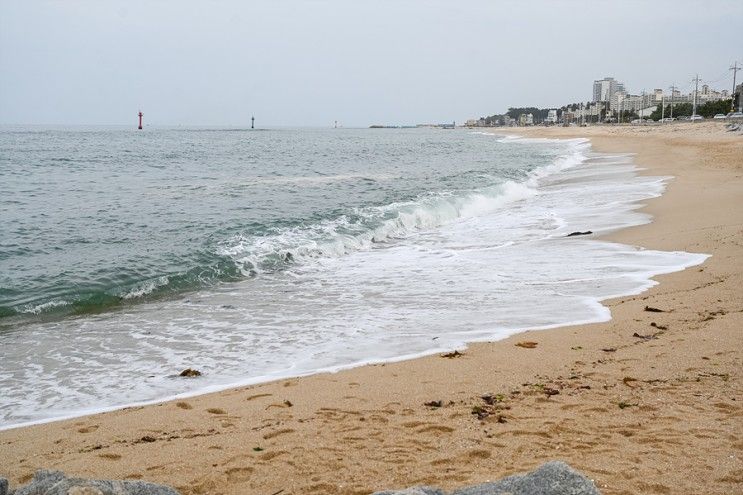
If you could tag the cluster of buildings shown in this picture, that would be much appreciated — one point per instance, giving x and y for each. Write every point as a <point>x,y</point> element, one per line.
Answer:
<point>610,94</point>
<point>610,97</point>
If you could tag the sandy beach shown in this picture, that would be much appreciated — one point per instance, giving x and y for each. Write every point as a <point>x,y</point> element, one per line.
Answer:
<point>649,402</point>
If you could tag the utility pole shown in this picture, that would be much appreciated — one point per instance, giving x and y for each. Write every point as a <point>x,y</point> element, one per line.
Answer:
<point>673,91</point>
<point>735,70</point>
<point>582,115</point>
<point>608,109</point>
<point>696,90</point>
<point>662,107</point>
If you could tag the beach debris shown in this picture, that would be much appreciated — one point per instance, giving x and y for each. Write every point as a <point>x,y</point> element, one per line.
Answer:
<point>625,405</point>
<point>453,354</point>
<point>190,373</point>
<point>651,309</point>
<point>493,406</point>
<point>56,483</point>
<point>659,327</point>
<point>258,449</point>
<point>628,379</point>
<point>147,439</point>
<point>216,410</point>
<point>288,403</point>
<point>550,391</point>
<point>481,412</point>
<point>573,234</point>
<point>491,399</point>
<point>434,403</point>
<point>646,337</point>
<point>576,348</point>
<point>609,349</point>
<point>527,344</point>
<point>552,478</point>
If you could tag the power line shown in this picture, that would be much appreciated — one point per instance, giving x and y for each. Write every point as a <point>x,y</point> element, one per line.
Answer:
<point>719,78</point>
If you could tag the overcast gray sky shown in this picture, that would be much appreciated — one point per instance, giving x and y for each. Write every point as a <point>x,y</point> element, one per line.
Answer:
<point>311,62</point>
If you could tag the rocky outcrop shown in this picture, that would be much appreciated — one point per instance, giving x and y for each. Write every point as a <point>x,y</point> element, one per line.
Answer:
<point>552,478</point>
<point>56,483</point>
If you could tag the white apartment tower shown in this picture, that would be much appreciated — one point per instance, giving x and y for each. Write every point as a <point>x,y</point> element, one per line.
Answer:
<point>605,88</point>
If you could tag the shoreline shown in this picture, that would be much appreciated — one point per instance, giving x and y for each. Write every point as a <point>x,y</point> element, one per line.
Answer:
<point>645,281</point>
<point>366,428</point>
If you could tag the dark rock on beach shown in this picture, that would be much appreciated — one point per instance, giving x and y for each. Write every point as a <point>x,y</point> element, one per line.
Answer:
<point>552,478</point>
<point>573,234</point>
<point>56,483</point>
<point>189,372</point>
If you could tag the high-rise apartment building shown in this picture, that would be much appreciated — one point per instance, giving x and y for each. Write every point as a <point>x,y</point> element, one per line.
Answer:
<point>605,88</point>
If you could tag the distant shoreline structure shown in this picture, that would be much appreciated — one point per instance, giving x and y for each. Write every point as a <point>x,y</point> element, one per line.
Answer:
<point>417,126</point>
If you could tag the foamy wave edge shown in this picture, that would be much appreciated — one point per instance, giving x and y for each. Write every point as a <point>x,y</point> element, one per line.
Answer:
<point>377,225</point>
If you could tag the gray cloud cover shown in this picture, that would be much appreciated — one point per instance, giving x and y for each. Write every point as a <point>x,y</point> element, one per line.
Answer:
<point>311,62</point>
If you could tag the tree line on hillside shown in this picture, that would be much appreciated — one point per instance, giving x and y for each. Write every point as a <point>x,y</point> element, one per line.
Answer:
<point>540,114</point>
<point>707,110</point>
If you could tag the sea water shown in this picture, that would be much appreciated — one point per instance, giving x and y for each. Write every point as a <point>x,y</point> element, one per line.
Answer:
<point>127,256</point>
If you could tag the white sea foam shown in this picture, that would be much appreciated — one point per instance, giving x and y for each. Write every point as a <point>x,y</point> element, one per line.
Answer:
<point>341,236</point>
<point>434,274</point>
<point>146,288</point>
<point>41,308</point>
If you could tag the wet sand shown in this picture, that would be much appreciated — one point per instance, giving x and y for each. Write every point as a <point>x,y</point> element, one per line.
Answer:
<point>650,402</point>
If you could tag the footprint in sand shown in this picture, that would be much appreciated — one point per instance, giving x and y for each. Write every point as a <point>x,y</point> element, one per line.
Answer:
<point>184,405</point>
<point>276,433</point>
<point>110,456</point>
<point>257,396</point>
<point>238,474</point>
<point>435,429</point>
<point>271,455</point>
<point>479,454</point>
<point>88,429</point>
<point>216,410</point>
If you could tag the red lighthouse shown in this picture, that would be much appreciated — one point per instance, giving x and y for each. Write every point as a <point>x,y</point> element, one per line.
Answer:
<point>140,120</point>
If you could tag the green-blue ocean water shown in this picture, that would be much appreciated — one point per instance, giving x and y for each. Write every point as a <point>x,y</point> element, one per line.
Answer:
<point>94,218</point>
